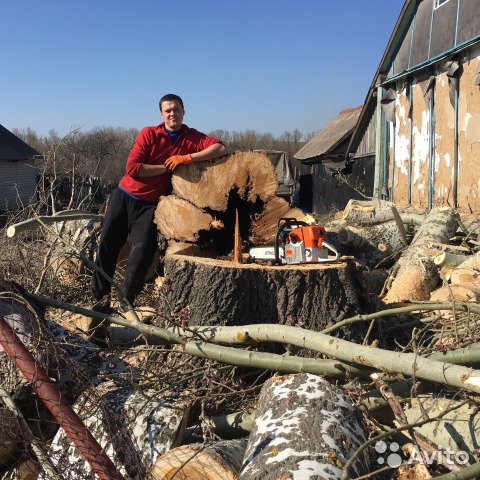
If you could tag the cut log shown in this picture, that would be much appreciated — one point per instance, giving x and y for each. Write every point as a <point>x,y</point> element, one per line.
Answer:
<point>128,425</point>
<point>180,220</point>
<point>224,293</point>
<point>211,184</point>
<point>418,275</point>
<point>469,292</point>
<point>448,260</point>
<point>304,428</point>
<point>463,275</point>
<point>472,262</point>
<point>206,196</point>
<point>211,461</point>
<point>373,243</point>
<point>368,212</point>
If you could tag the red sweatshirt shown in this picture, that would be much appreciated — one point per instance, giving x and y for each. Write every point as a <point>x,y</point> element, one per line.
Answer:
<point>154,146</point>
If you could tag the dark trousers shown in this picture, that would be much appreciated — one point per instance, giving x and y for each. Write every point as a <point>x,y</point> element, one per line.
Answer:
<point>125,217</point>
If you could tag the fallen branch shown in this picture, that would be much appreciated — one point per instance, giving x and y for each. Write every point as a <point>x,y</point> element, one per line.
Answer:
<point>387,361</point>
<point>36,222</point>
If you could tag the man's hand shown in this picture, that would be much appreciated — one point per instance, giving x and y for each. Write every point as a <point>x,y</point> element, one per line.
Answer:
<point>176,160</point>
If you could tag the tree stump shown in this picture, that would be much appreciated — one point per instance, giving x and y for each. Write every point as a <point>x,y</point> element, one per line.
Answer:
<point>220,292</point>
<point>304,428</point>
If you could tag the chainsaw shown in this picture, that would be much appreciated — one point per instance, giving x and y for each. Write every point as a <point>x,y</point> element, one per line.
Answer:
<point>297,242</point>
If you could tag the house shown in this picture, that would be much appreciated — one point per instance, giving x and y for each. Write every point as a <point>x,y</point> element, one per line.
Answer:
<point>422,110</point>
<point>328,181</point>
<point>18,173</point>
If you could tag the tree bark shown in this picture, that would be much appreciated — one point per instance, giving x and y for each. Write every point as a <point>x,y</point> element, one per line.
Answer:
<point>418,275</point>
<point>225,293</point>
<point>304,427</point>
<point>211,461</point>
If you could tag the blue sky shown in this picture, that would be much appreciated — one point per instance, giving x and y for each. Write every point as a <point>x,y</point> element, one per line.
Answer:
<point>267,65</point>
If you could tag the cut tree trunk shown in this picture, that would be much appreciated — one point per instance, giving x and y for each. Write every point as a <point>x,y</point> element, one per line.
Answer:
<point>304,427</point>
<point>418,275</point>
<point>206,196</point>
<point>211,461</point>
<point>220,292</point>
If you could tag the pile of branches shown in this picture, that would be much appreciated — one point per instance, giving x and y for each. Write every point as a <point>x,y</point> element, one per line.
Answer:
<point>413,374</point>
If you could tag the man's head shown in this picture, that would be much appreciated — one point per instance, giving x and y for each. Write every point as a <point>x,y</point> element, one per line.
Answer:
<point>172,111</point>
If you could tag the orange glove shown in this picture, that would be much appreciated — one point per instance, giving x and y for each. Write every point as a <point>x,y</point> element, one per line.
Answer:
<point>176,160</point>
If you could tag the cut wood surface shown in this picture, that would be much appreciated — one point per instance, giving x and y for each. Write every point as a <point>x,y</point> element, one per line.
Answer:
<point>469,292</point>
<point>368,212</point>
<point>178,219</point>
<point>418,275</point>
<point>304,427</point>
<point>206,197</point>
<point>264,225</point>
<point>463,274</point>
<point>211,461</point>
<point>225,293</point>
<point>250,175</point>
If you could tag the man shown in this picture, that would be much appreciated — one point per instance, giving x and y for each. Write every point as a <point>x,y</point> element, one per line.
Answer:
<point>155,155</point>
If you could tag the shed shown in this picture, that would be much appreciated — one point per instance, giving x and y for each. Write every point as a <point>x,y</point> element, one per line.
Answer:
<point>422,110</point>
<point>332,181</point>
<point>18,173</point>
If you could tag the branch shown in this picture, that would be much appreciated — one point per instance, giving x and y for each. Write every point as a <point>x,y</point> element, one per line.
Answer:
<point>31,223</point>
<point>409,364</point>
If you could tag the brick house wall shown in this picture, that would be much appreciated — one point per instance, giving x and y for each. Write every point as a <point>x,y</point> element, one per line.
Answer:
<point>18,184</point>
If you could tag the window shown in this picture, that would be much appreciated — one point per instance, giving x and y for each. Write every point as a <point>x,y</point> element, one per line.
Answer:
<point>439,3</point>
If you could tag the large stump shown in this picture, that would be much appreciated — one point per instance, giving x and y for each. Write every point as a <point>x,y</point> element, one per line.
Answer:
<point>220,292</point>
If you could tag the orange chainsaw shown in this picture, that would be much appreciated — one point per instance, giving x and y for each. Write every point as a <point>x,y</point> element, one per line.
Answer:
<point>297,242</point>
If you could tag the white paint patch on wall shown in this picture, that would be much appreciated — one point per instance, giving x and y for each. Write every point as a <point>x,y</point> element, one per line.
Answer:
<point>420,147</point>
<point>472,128</point>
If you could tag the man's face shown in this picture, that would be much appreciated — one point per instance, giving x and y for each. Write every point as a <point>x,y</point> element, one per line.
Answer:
<point>172,114</point>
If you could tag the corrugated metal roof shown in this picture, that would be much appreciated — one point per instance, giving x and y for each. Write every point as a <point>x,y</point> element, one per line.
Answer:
<point>330,136</point>
<point>13,149</point>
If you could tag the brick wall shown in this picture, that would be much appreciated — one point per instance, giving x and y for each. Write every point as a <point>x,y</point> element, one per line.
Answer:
<point>18,182</point>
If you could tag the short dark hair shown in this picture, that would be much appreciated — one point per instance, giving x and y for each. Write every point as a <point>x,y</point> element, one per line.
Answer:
<point>170,97</point>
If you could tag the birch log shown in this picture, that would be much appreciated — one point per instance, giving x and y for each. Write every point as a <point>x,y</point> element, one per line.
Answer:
<point>373,243</point>
<point>210,461</point>
<point>418,275</point>
<point>304,428</point>
<point>368,212</point>
<point>133,429</point>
